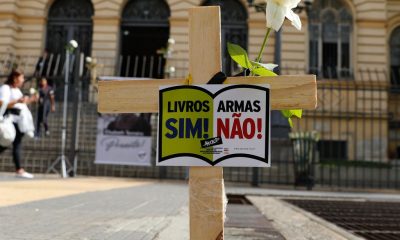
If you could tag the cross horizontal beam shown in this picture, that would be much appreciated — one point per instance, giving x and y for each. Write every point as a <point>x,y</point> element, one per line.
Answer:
<point>127,96</point>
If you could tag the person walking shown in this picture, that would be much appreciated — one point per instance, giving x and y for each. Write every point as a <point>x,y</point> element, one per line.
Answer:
<point>11,94</point>
<point>46,104</point>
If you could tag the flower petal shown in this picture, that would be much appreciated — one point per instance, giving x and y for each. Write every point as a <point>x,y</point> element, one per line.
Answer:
<point>269,66</point>
<point>294,18</point>
<point>73,43</point>
<point>293,3</point>
<point>275,15</point>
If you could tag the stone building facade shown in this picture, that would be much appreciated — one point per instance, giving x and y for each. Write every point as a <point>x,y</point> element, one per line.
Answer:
<point>24,27</point>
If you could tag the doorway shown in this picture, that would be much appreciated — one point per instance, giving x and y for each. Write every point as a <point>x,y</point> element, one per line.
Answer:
<point>144,35</point>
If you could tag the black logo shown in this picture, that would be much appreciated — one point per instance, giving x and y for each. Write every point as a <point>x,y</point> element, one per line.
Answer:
<point>211,142</point>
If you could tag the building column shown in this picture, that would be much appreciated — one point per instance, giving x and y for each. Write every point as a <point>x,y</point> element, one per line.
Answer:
<point>8,29</point>
<point>106,43</point>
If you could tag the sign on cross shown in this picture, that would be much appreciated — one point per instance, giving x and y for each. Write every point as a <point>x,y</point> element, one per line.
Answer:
<point>206,186</point>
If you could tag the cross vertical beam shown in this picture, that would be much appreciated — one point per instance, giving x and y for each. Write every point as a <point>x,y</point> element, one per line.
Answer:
<point>206,184</point>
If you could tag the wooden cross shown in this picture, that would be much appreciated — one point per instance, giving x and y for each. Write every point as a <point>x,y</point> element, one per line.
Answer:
<point>127,96</point>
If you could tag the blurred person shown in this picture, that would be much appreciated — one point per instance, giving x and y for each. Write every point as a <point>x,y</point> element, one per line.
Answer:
<point>46,104</point>
<point>10,92</point>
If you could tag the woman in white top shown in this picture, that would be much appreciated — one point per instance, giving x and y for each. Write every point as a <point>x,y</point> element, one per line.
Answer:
<point>10,92</point>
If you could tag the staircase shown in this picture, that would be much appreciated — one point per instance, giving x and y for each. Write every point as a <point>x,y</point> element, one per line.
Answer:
<point>38,155</point>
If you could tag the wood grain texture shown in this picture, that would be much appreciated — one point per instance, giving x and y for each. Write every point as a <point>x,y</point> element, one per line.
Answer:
<point>129,96</point>
<point>287,92</point>
<point>206,184</point>
<point>204,44</point>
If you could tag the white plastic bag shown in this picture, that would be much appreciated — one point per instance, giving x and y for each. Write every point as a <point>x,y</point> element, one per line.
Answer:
<point>25,120</point>
<point>7,131</point>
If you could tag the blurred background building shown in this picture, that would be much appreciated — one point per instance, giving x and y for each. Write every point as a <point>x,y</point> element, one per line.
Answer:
<point>340,37</point>
<point>353,46</point>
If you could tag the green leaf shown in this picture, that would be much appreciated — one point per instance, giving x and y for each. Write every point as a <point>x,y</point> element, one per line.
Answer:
<point>286,113</point>
<point>292,113</point>
<point>297,113</point>
<point>268,66</point>
<point>263,72</point>
<point>239,55</point>
<point>290,122</point>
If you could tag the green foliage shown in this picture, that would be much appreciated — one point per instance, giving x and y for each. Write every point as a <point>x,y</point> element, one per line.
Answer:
<point>292,113</point>
<point>239,55</point>
<point>297,113</point>
<point>268,66</point>
<point>263,72</point>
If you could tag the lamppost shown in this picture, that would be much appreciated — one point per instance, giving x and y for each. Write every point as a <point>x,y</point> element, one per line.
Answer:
<point>70,48</point>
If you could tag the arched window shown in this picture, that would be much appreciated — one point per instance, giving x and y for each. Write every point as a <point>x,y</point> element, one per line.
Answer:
<point>144,31</point>
<point>234,28</point>
<point>67,20</point>
<point>395,58</point>
<point>330,39</point>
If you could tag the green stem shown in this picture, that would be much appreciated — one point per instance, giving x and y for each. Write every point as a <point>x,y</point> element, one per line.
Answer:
<point>263,45</point>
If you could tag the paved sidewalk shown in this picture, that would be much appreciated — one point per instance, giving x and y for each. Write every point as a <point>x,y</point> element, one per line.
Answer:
<point>16,191</point>
<point>116,208</point>
<point>152,211</point>
<point>91,208</point>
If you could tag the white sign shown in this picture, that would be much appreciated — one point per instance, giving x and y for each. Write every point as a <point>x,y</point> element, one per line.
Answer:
<point>214,125</point>
<point>124,139</point>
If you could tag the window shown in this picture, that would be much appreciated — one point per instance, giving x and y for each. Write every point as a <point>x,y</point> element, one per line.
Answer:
<point>395,58</point>
<point>330,39</point>
<point>69,19</point>
<point>144,31</point>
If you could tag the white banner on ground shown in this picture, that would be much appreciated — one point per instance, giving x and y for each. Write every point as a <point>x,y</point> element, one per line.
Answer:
<point>124,139</point>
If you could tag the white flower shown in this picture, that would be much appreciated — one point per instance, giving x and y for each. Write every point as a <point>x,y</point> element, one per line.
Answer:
<point>277,10</point>
<point>73,43</point>
<point>171,41</point>
<point>88,59</point>
<point>32,91</point>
